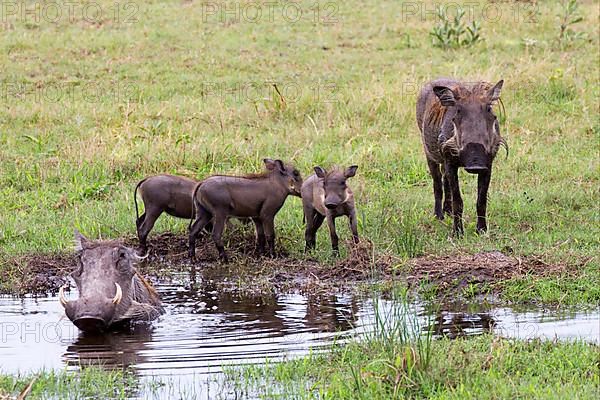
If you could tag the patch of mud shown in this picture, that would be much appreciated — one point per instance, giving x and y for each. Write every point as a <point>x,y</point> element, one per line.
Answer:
<point>247,272</point>
<point>250,273</point>
<point>35,274</point>
<point>453,272</point>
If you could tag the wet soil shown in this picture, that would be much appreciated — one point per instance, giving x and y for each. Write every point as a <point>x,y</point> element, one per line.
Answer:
<point>248,272</point>
<point>251,273</point>
<point>454,272</point>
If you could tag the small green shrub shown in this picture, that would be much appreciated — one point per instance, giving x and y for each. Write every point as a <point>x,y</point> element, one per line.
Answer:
<point>569,16</point>
<point>455,33</point>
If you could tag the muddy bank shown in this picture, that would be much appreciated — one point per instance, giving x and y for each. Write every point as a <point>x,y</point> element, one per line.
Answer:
<point>252,273</point>
<point>247,271</point>
<point>453,273</point>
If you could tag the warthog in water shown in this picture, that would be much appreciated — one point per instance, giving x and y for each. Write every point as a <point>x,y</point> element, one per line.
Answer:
<point>459,129</point>
<point>162,193</point>
<point>258,197</point>
<point>111,292</point>
<point>326,195</point>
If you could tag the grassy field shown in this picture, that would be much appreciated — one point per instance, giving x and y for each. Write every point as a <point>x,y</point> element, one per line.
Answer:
<point>95,101</point>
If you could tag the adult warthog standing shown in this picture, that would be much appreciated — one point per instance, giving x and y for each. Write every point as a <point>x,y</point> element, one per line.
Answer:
<point>112,293</point>
<point>459,129</point>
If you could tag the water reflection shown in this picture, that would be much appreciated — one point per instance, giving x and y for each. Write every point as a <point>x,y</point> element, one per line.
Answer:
<point>460,324</point>
<point>204,330</point>
<point>110,350</point>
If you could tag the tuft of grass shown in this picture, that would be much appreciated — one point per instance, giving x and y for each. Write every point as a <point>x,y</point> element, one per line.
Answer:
<point>90,382</point>
<point>569,16</point>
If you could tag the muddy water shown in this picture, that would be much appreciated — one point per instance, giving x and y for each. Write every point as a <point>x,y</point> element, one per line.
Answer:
<point>203,330</point>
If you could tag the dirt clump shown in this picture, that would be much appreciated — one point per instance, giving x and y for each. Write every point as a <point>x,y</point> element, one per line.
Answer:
<point>36,274</point>
<point>460,270</point>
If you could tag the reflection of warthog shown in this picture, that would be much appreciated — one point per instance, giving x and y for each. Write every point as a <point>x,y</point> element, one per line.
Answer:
<point>459,129</point>
<point>328,314</point>
<point>109,351</point>
<point>111,292</point>
<point>459,324</point>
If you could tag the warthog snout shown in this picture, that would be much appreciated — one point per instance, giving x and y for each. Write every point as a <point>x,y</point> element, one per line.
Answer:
<point>331,205</point>
<point>92,313</point>
<point>475,158</point>
<point>90,324</point>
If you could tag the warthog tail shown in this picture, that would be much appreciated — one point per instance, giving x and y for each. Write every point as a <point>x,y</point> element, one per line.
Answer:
<point>194,205</point>
<point>137,212</point>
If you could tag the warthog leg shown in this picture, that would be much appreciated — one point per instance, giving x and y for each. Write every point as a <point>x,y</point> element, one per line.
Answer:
<point>447,195</point>
<point>314,220</point>
<point>203,219</point>
<point>269,227</point>
<point>457,202</point>
<point>260,235</point>
<point>332,233</point>
<point>353,226</point>
<point>436,175</point>
<point>483,183</point>
<point>217,235</point>
<point>145,226</point>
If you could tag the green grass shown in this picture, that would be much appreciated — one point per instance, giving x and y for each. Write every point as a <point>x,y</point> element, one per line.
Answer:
<point>483,367</point>
<point>62,384</point>
<point>181,92</point>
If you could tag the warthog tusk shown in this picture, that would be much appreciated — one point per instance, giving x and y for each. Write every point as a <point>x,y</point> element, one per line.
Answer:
<point>139,258</point>
<point>61,296</point>
<point>118,295</point>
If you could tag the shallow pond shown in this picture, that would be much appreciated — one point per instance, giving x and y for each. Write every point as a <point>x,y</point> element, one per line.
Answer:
<point>203,330</point>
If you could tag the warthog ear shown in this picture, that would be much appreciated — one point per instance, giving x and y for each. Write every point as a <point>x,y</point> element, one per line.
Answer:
<point>494,93</point>
<point>446,95</point>
<point>350,171</point>
<point>280,166</point>
<point>272,164</point>
<point>320,172</point>
<point>269,163</point>
<point>80,241</point>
